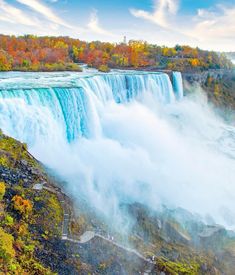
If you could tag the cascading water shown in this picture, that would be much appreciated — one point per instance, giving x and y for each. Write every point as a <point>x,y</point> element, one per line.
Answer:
<point>76,107</point>
<point>178,85</point>
<point>124,137</point>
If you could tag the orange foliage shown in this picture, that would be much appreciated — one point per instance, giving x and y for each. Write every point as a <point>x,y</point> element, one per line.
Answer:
<point>195,62</point>
<point>33,53</point>
<point>24,206</point>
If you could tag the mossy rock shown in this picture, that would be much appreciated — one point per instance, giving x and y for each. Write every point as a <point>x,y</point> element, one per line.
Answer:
<point>176,268</point>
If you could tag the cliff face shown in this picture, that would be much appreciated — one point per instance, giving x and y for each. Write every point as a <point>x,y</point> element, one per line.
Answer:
<point>31,215</point>
<point>201,77</point>
<point>40,233</point>
<point>219,87</point>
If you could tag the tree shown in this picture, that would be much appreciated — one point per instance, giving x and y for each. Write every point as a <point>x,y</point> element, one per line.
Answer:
<point>24,206</point>
<point>195,62</point>
<point>5,61</point>
<point>33,53</point>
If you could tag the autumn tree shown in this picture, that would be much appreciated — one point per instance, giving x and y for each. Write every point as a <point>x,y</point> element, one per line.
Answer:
<point>24,206</point>
<point>5,61</point>
<point>32,53</point>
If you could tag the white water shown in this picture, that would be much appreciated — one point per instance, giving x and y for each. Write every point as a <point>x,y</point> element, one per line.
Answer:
<point>124,137</point>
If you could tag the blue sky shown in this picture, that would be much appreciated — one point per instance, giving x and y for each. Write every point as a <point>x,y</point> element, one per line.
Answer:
<point>209,24</point>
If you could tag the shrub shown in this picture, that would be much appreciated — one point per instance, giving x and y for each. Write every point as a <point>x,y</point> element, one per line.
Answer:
<point>22,205</point>
<point>7,251</point>
<point>2,190</point>
<point>22,230</point>
<point>4,161</point>
<point>8,220</point>
<point>104,69</point>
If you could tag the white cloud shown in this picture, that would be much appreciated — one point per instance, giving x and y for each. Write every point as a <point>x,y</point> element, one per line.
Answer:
<point>44,10</point>
<point>94,25</point>
<point>19,21</point>
<point>215,24</point>
<point>162,11</point>
<point>14,15</point>
<point>211,28</point>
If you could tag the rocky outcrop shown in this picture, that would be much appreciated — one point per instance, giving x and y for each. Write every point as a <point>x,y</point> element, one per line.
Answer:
<point>201,77</point>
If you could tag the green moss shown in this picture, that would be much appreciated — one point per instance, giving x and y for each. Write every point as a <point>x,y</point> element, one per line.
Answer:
<point>9,221</point>
<point>12,151</point>
<point>19,219</point>
<point>29,248</point>
<point>7,252</point>
<point>4,161</point>
<point>175,268</point>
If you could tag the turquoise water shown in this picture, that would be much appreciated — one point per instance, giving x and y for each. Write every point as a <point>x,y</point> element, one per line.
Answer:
<point>72,97</point>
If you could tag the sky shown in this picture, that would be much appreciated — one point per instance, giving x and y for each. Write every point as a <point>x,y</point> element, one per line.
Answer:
<point>208,24</point>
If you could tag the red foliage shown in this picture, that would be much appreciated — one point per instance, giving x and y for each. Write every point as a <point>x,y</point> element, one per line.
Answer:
<point>38,53</point>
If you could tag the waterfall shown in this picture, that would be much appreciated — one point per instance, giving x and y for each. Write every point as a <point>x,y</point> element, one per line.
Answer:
<point>76,106</point>
<point>178,85</point>
<point>124,137</point>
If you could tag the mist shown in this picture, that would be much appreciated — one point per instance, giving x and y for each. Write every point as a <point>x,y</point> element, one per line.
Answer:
<point>176,153</point>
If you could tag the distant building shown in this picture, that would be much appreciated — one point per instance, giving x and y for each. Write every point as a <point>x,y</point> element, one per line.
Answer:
<point>125,40</point>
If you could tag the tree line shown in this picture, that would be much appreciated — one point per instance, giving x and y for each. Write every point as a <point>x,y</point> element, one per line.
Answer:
<point>32,53</point>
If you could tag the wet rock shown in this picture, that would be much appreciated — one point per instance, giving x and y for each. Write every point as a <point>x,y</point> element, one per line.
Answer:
<point>212,236</point>
<point>175,232</point>
<point>210,231</point>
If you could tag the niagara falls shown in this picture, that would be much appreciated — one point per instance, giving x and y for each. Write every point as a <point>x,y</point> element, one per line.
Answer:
<point>125,137</point>
<point>117,137</point>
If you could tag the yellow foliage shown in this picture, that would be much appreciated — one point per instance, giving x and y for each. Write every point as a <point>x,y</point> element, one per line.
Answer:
<point>104,68</point>
<point>22,205</point>
<point>2,190</point>
<point>195,62</point>
<point>22,230</point>
<point>4,161</point>
<point>92,46</point>
<point>217,90</point>
<point>7,251</point>
<point>169,52</point>
<point>61,45</point>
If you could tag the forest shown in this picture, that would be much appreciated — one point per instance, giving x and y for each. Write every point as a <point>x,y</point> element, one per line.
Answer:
<point>32,53</point>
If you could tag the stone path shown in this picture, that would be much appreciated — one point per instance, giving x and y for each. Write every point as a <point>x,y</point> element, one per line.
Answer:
<point>66,220</point>
<point>90,235</point>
